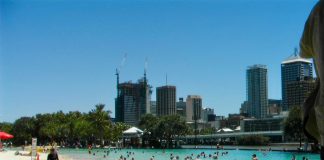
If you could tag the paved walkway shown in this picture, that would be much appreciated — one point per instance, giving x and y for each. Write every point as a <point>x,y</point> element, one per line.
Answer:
<point>292,147</point>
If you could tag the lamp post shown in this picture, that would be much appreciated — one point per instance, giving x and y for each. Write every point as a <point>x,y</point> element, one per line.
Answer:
<point>300,125</point>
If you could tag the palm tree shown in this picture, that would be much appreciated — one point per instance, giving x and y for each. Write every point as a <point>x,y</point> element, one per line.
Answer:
<point>99,119</point>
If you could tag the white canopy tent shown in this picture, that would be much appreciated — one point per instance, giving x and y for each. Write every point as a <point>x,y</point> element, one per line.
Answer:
<point>133,130</point>
<point>237,129</point>
<point>224,130</point>
<point>132,137</point>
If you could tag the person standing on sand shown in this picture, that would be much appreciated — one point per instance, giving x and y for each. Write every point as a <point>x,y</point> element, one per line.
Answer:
<point>312,46</point>
<point>52,155</point>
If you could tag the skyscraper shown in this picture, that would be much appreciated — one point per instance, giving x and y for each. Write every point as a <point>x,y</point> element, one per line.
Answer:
<point>205,112</point>
<point>153,108</point>
<point>244,110</point>
<point>181,107</point>
<point>133,101</point>
<point>166,100</point>
<point>257,90</point>
<point>294,68</point>
<point>298,91</point>
<point>193,108</point>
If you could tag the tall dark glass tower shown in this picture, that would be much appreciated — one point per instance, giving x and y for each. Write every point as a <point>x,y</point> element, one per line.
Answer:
<point>257,90</point>
<point>133,101</point>
<point>294,68</point>
<point>166,100</point>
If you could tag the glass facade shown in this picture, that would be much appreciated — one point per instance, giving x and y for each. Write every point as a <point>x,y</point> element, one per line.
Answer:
<point>293,69</point>
<point>257,91</point>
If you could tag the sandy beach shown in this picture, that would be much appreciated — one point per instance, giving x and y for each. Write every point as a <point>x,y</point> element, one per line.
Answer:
<point>10,155</point>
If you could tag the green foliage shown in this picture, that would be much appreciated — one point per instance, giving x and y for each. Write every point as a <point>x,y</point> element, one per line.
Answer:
<point>163,128</point>
<point>66,128</point>
<point>117,130</point>
<point>207,131</point>
<point>100,120</point>
<point>23,129</point>
<point>148,123</point>
<point>6,127</point>
<point>293,124</point>
<point>82,129</point>
<point>253,140</point>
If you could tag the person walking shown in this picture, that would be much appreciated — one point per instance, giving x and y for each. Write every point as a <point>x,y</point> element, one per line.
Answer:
<point>312,46</point>
<point>52,155</point>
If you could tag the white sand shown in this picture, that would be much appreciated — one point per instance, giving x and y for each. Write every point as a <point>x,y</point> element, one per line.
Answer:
<point>10,155</point>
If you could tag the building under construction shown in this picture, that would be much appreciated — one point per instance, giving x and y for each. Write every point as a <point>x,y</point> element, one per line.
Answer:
<point>133,100</point>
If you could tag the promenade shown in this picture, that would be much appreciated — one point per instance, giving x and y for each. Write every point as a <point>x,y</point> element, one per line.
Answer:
<point>291,147</point>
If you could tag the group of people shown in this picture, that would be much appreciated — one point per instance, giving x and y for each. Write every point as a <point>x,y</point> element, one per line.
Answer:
<point>202,155</point>
<point>131,155</point>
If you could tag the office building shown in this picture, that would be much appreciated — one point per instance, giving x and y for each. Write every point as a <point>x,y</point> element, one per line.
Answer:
<point>153,108</point>
<point>181,107</point>
<point>245,110</point>
<point>258,125</point>
<point>298,91</point>
<point>294,68</point>
<point>257,90</point>
<point>166,100</point>
<point>193,108</point>
<point>205,113</point>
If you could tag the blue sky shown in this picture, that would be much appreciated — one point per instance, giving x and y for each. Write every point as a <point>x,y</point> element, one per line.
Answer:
<point>61,55</point>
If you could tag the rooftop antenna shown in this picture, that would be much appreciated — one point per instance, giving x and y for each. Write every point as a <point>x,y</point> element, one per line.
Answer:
<point>296,51</point>
<point>166,79</point>
<point>145,67</point>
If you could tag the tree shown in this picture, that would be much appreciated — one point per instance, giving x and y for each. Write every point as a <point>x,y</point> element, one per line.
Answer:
<point>23,129</point>
<point>293,124</point>
<point>66,129</point>
<point>148,123</point>
<point>100,120</point>
<point>170,127</point>
<point>209,130</point>
<point>6,127</point>
<point>117,130</point>
<point>50,131</point>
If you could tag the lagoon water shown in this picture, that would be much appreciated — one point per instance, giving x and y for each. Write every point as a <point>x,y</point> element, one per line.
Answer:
<point>146,154</point>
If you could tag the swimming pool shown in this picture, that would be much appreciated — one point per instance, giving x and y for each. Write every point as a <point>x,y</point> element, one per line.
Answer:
<point>146,154</point>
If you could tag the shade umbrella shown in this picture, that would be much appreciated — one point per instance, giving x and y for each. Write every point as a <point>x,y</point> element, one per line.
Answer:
<point>4,136</point>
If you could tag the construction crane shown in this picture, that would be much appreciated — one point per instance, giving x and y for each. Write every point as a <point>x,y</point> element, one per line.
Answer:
<point>119,68</point>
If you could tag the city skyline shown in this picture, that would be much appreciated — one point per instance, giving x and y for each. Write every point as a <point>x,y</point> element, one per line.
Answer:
<point>62,65</point>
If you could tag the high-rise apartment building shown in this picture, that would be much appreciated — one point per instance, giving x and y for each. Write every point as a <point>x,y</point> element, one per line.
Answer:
<point>257,90</point>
